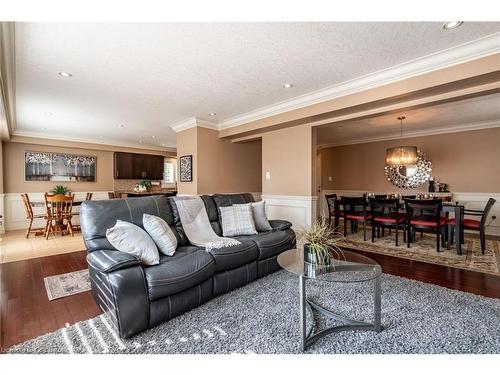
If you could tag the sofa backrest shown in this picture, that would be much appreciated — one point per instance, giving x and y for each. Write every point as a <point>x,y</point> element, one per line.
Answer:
<point>96,216</point>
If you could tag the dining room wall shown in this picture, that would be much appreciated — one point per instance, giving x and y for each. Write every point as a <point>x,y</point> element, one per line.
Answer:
<point>466,161</point>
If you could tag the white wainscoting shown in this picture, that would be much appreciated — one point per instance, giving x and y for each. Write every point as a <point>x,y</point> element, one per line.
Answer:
<point>14,216</point>
<point>299,210</point>
<point>474,201</point>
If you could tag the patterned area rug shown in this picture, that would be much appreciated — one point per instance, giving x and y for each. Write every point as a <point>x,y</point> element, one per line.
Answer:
<point>67,284</point>
<point>424,250</point>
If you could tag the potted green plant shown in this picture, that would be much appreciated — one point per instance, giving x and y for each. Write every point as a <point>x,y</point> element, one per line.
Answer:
<point>145,184</point>
<point>59,189</point>
<point>320,245</point>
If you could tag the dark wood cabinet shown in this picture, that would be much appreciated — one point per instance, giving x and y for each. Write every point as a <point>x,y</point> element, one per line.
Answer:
<point>138,166</point>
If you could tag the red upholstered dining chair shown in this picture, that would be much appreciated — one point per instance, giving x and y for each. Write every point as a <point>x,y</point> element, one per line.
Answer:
<point>472,224</point>
<point>385,213</point>
<point>425,215</point>
<point>330,202</point>
<point>355,212</point>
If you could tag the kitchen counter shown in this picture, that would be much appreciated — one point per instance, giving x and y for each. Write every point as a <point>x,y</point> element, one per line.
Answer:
<point>146,193</point>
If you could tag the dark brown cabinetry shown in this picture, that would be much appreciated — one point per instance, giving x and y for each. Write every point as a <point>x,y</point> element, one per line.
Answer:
<point>138,166</point>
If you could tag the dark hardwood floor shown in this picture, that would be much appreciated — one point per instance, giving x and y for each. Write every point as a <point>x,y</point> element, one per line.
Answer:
<point>25,311</point>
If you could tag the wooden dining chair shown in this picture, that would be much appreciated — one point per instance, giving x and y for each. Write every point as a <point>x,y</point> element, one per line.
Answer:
<point>425,216</point>
<point>31,216</point>
<point>355,212</point>
<point>111,195</point>
<point>88,197</point>
<point>330,202</point>
<point>59,213</point>
<point>471,224</point>
<point>386,213</point>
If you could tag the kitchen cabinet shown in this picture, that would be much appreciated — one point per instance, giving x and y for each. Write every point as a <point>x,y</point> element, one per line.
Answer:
<point>131,166</point>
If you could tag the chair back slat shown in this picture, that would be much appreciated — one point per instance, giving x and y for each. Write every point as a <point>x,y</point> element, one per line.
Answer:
<point>27,206</point>
<point>88,197</point>
<point>59,206</point>
<point>381,207</point>
<point>429,208</point>
<point>353,204</point>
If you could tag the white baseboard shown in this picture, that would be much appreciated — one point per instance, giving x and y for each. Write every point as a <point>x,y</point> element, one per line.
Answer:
<point>471,200</point>
<point>301,211</point>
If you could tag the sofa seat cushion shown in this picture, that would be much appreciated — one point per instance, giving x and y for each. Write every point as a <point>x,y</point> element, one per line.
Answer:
<point>271,243</point>
<point>189,266</point>
<point>227,258</point>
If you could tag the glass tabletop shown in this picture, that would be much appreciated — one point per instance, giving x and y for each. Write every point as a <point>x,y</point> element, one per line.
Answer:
<point>348,267</point>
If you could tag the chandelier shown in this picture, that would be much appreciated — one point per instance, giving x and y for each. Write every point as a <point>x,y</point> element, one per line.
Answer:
<point>401,155</point>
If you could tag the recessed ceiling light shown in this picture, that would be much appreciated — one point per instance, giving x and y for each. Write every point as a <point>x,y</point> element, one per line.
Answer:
<point>101,136</point>
<point>153,136</point>
<point>65,74</point>
<point>287,85</point>
<point>212,113</point>
<point>163,144</point>
<point>452,25</point>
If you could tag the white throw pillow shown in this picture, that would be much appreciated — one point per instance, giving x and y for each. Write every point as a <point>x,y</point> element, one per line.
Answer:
<point>131,239</point>
<point>259,216</point>
<point>237,220</point>
<point>161,233</point>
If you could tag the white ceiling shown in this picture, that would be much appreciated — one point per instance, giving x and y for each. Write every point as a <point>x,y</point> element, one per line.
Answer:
<point>479,112</point>
<point>151,76</point>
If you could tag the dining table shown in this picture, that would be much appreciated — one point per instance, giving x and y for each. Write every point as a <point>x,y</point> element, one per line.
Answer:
<point>448,207</point>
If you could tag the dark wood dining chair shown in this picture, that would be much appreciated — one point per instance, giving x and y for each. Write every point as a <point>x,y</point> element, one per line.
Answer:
<point>88,196</point>
<point>425,215</point>
<point>471,224</point>
<point>111,195</point>
<point>59,213</point>
<point>330,202</point>
<point>386,213</point>
<point>355,212</point>
<point>31,216</point>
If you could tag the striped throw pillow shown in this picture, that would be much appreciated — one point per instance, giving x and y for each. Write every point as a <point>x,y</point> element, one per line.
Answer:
<point>237,220</point>
<point>161,233</point>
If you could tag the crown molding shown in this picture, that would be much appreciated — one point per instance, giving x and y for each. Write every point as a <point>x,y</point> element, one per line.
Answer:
<point>417,133</point>
<point>29,134</point>
<point>445,58</point>
<point>194,122</point>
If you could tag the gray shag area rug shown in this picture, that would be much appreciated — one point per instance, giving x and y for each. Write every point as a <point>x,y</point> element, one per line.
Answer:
<point>263,317</point>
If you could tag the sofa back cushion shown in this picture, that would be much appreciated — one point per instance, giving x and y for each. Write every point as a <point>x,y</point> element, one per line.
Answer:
<point>97,216</point>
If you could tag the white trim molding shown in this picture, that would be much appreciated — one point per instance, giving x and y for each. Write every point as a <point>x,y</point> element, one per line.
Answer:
<point>476,49</point>
<point>418,133</point>
<point>471,200</point>
<point>301,211</point>
<point>194,122</point>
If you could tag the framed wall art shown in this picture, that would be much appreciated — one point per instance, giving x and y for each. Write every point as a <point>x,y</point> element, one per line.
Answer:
<point>186,168</point>
<point>49,166</point>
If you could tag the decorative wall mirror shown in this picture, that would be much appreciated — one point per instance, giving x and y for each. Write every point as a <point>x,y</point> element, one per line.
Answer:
<point>410,176</point>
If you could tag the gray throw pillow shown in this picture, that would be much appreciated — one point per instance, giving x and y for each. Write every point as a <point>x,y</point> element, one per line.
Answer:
<point>237,220</point>
<point>260,217</point>
<point>131,239</point>
<point>161,233</point>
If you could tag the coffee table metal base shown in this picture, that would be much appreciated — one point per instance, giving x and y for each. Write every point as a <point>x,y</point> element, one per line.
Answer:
<point>310,336</point>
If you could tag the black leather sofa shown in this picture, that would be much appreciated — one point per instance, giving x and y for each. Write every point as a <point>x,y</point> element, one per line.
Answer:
<point>136,297</point>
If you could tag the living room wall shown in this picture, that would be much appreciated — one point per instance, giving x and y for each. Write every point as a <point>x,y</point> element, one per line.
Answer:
<point>466,161</point>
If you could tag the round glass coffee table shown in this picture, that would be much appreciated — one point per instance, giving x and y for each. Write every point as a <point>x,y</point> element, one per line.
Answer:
<point>349,267</point>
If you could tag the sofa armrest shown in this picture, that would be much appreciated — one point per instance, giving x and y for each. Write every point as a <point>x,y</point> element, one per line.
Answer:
<point>111,260</point>
<point>280,224</point>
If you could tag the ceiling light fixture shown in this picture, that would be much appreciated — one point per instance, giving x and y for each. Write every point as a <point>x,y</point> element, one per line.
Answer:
<point>452,25</point>
<point>212,113</point>
<point>287,86</point>
<point>101,136</point>
<point>121,126</point>
<point>65,74</point>
<point>401,155</point>
<point>163,144</point>
<point>153,136</point>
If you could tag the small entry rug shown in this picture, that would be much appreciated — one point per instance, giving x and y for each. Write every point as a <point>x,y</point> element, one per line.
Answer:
<point>67,284</point>
<point>424,250</point>
<point>263,317</point>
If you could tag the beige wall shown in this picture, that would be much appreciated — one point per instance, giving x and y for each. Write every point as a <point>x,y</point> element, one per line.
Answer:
<point>287,155</point>
<point>219,166</point>
<point>13,167</point>
<point>226,167</point>
<point>1,167</point>
<point>467,161</point>
<point>187,144</point>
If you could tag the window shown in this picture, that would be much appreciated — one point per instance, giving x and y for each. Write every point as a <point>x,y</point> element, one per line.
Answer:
<point>169,175</point>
